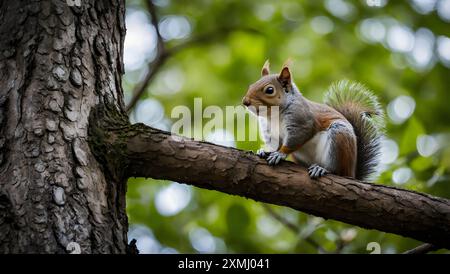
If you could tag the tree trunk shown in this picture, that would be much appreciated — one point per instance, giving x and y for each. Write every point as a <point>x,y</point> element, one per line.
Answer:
<point>58,62</point>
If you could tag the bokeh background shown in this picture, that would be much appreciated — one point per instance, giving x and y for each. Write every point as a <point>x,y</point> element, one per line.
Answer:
<point>215,49</point>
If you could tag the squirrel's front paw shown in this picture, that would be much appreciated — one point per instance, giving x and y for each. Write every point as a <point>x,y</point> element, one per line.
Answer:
<point>275,157</point>
<point>262,154</point>
<point>316,171</point>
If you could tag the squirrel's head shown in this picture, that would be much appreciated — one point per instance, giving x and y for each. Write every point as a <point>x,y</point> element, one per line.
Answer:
<point>270,90</point>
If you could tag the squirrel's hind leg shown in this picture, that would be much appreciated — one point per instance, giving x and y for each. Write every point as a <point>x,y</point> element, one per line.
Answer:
<point>342,153</point>
<point>316,171</point>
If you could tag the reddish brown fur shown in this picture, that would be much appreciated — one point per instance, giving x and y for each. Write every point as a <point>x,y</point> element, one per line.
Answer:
<point>257,97</point>
<point>345,155</point>
<point>325,115</point>
<point>288,150</point>
<point>346,149</point>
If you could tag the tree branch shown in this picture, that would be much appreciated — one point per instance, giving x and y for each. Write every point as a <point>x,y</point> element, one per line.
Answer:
<point>153,68</point>
<point>148,152</point>
<point>422,249</point>
<point>164,54</point>
<point>155,65</point>
<point>293,227</point>
<point>154,21</point>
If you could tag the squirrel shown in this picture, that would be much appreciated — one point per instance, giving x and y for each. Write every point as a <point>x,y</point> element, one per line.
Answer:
<point>342,136</point>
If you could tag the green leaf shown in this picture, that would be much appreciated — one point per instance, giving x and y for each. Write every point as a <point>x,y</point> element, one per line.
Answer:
<point>421,163</point>
<point>412,131</point>
<point>238,219</point>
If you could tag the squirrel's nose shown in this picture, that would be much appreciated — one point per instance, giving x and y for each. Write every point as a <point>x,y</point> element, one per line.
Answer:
<point>245,101</point>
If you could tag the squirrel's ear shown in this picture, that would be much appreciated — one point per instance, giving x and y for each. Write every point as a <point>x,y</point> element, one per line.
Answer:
<point>265,70</point>
<point>285,75</point>
<point>287,63</point>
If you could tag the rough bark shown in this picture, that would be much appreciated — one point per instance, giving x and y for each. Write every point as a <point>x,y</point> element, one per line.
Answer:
<point>57,62</point>
<point>152,153</point>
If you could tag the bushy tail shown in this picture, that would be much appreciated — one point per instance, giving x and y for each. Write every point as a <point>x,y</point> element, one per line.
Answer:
<point>364,112</point>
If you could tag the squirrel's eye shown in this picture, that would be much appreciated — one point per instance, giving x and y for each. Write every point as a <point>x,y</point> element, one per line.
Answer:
<point>269,90</point>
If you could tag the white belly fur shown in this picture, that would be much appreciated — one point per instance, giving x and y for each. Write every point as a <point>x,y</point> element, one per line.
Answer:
<point>271,134</point>
<point>316,150</point>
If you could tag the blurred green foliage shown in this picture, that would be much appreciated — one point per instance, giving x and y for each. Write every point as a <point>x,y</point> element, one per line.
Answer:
<point>327,41</point>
